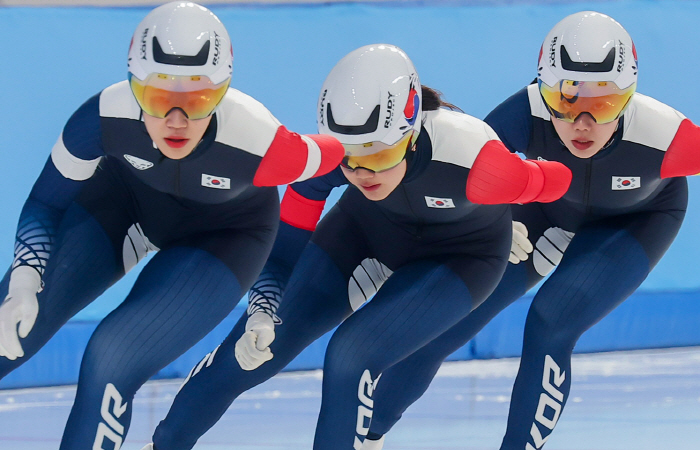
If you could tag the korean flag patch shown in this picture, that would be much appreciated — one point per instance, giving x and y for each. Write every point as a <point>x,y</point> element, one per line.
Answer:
<point>215,182</point>
<point>434,202</point>
<point>625,183</point>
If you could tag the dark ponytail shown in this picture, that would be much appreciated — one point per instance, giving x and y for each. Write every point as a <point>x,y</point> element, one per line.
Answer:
<point>432,100</point>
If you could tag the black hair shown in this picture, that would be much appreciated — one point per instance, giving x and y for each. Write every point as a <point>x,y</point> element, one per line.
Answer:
<point>419,159</point>
<point>432,100</point>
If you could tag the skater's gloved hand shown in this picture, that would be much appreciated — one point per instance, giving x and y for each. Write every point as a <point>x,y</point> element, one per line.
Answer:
<point>253,348</point>
<point>521,245</point>
<point>20,307</point>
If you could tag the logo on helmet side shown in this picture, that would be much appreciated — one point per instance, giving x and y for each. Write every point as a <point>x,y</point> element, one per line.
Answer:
<point>143,43</point>
<point>322,109</point>
<point>217,49</point>
<point>552,52</point>
<point>389,111</point>
<point>621,64</point>
<point>410,111</point>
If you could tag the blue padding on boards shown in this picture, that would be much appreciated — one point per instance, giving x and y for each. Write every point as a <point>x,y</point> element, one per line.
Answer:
<point>476,55</point>
<point>59,361</point>
<point>645,320</point>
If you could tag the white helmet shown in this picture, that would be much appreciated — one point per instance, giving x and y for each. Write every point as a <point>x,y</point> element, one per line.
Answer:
<point>588,46</point>
<point>181,38</point>
<point>371,95</point>
<point>187,47</point>
<point>587,55</point>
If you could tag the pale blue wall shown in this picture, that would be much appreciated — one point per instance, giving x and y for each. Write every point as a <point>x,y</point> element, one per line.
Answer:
<point>55,58</point>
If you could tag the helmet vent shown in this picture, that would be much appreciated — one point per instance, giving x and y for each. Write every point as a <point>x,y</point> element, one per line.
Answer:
<point>605,66</point>
<point>368,127</point>
<point>161,57</point>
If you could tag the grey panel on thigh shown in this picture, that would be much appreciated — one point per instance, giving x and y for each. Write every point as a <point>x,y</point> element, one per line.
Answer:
<point>136,247</point>
<point>549,249</point>
<point>366,280</point>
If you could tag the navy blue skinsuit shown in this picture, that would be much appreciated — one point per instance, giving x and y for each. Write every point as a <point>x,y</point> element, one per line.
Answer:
<point>602,239</point>
<point>447,255</point>
<point>105,198</point>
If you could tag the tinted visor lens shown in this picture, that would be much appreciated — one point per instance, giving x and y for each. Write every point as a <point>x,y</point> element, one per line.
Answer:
<point>377,156</point>
<point>159,93</point>
<point>603,100</point>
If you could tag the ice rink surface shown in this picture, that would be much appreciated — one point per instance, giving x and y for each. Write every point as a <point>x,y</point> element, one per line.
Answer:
<point>638,400</point>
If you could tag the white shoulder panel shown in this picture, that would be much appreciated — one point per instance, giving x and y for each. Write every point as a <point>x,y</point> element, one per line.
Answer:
<point>457,137</point>
<point>650,122</point>
<point>537,106</point>
<point>118,101</point>
<point>71,166</point>
<point>245,123</point>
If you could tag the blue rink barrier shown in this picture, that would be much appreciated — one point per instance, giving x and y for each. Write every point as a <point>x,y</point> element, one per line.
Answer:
<point>645,320</point>
<point>477,53</point>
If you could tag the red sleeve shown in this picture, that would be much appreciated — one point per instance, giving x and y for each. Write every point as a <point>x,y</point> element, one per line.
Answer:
<point>290,156</point>
<point>499,176</point>
<point>683,155</point>
<point>299,211</point>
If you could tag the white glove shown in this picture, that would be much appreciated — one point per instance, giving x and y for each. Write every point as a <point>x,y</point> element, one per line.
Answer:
<point>253,348</point>
<point>20,307</point>
<point>521,246</point>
